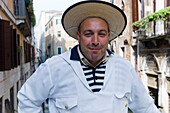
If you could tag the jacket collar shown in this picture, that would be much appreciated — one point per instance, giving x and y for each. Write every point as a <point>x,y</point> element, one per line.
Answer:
<point>75,63</point>
<point>74,54</point>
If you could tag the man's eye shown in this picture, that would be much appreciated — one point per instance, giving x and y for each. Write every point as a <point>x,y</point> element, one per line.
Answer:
<point>102,34</point>
<point>88,34</point>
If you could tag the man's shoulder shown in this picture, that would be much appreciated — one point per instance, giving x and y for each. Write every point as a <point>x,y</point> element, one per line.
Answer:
<point>117,57</point>
<point>119,60</point>
<point>58,58</point>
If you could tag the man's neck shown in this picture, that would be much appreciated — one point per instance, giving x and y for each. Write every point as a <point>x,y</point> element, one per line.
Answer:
<point>90,63</point>
<point>95,63</point>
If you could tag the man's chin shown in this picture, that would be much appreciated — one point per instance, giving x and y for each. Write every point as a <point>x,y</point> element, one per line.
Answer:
<point>95,59</point>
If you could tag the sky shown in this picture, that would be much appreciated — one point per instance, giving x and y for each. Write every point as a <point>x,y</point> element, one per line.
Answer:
<point>45,5</point>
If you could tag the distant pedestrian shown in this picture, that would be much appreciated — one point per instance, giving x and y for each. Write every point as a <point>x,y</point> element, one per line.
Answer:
<point>34,70</point>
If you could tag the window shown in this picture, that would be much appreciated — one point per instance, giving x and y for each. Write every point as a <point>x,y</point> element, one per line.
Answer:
<point>5,43</point>
<point>12,46</point>
<point>51,23</point>
<point>27,52</point>
<point>122,52</point>
<point>1,105</point>
<point>59,50</point>
<point>17,89</point>
<point>46,28</point>
<point>12,97</point>
<point>56,21</point>
<point>151,64</point>
<point>19,48</point>
<point>134,10</point>
<point>59,21</point>
<point>49,17</point>
<point>17,86</point>
<point>59,33</point>
<point>69,48</point>
<point>154,94</point>
<point>16,7</point>
<point>15,47</point>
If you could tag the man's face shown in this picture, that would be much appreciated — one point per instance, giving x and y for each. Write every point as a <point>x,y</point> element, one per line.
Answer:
<point>93,39</point>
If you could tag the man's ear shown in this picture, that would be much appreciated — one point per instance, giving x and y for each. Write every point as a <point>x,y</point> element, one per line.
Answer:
<point>78,36</point>
<point>109,35</point>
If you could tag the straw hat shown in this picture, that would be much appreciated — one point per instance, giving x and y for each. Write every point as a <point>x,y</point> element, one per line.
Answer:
<point>76,13</point>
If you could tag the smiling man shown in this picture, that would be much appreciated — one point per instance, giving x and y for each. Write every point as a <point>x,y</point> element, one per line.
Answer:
<point>89,78</point>
<point>93,38</point>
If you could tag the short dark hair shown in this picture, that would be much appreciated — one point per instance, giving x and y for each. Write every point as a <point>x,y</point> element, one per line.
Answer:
<point>94,17</point>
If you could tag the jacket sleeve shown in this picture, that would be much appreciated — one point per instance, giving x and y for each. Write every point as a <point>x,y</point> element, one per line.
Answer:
<point>141,102</point>
<point>35,91</point>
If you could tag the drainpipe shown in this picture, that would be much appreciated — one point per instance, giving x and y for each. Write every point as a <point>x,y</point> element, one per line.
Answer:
<point>138,46</point>
<point>138,49</point>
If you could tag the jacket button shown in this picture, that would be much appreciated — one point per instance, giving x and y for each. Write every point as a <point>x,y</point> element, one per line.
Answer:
<point>66,107</point>
<point>125,105</point>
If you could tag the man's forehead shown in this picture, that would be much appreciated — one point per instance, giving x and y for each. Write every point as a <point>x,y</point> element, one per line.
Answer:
<point>94,23</point>
<point>91,30</point>
<point>89,19</point>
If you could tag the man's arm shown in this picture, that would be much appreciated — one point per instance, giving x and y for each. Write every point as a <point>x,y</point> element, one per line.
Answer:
<point>35,91</point>
<point>141,102</point>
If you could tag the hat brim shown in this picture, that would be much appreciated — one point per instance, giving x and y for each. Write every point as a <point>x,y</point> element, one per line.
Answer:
<point>76,13</point>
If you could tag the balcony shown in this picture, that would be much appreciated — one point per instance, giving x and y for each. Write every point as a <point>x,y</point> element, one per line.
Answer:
<point>155,25</point>
<point>156,30</point>
<point>22,18</point>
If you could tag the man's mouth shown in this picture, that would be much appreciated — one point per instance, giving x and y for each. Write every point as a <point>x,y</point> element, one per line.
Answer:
<point>95,48</point>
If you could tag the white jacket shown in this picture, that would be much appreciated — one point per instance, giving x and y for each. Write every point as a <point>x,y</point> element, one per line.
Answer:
<point>61,79</point>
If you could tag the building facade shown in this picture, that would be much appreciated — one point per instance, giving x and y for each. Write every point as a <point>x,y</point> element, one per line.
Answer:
<point>154,54</point>
<point>147,48</point>
<point>57,40</point>
<point>40,34</point>
<point>16,51</point>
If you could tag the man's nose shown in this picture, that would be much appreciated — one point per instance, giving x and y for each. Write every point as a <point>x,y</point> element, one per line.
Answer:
<point>95,39</point>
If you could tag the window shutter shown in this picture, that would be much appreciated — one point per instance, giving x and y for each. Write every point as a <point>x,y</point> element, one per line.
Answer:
<point>25,56</point>
<point>134,10</point>
<point>5,46</point>
<point>15,48</point>
<point>18,52</point>
<point>12,46</point>
<point>29,52</point>
<point>2,51</point>
<point>33,53</point>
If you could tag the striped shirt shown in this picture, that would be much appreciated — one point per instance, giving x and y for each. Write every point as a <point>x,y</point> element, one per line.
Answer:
<point>94,75</point>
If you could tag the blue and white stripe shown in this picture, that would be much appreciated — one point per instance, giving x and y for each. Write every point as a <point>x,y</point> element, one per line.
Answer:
<point>94,76</point>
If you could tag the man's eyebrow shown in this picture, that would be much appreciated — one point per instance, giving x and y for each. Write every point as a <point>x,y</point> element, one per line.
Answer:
<point>102,30</point>
<point>88,30</point>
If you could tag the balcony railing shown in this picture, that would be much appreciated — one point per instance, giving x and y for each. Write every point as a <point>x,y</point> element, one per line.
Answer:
<point>156,28</point>
<point>22,17</point>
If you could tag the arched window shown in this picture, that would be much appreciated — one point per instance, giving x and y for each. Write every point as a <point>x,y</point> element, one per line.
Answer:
<point>151,67</point>
<point>151,64</point>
